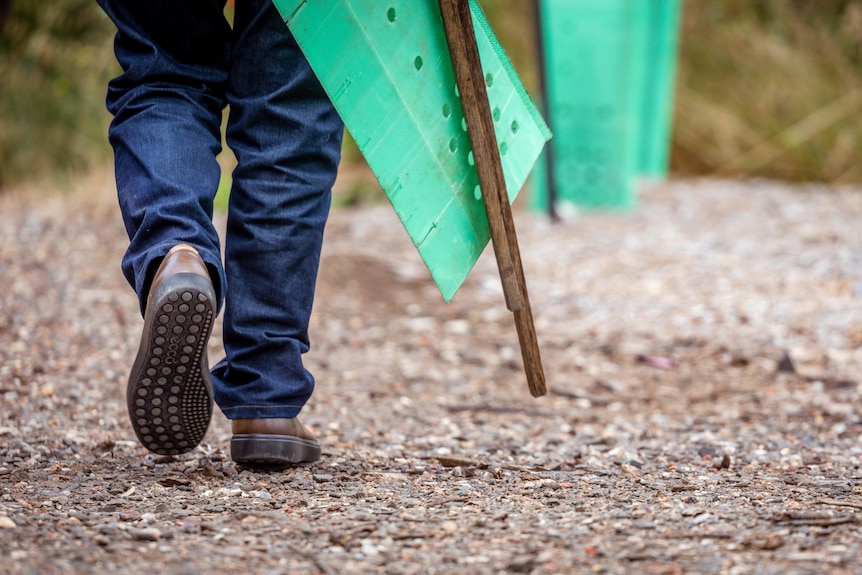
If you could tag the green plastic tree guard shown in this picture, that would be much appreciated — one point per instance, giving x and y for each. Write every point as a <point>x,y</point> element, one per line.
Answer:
<point>608,67</point>
<point>386,67</point>
<point>660,53</point>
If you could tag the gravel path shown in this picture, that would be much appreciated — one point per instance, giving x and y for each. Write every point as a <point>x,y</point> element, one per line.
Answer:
<point>703,353</point>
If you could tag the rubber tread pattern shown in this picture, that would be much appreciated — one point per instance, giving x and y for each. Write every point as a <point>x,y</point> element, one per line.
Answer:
<point>169,393</point>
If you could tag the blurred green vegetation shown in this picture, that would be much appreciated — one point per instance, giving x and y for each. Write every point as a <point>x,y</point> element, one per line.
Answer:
<point>770,88</point>
<point>765,88</point>
<point>55,61</point>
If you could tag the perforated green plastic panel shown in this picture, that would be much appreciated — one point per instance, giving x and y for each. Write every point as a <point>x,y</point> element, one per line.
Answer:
<point>386,67</point>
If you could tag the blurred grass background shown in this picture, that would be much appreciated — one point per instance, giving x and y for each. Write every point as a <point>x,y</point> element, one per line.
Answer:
<point>55,60</point>
<point>765,88</point>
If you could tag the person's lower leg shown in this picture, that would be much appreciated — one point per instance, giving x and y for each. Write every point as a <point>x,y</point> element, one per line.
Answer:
<point>287,139</point>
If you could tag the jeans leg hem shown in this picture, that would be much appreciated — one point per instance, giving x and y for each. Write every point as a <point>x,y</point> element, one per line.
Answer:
<point>261,411</point>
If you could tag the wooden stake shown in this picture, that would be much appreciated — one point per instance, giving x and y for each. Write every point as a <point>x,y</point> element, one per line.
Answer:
<point>458,24</point>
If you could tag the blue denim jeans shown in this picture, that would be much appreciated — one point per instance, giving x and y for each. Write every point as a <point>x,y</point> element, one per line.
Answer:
<point>182,63</point>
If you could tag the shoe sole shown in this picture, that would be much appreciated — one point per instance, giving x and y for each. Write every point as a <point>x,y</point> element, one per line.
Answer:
<point>169,395</point>
<point>273,450</point>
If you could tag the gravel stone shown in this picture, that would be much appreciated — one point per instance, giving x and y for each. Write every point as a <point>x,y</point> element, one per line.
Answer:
<point>703,355</point>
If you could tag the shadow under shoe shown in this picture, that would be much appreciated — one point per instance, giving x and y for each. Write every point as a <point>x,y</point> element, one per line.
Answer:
<point>276,442</point>
<point>169,394</point>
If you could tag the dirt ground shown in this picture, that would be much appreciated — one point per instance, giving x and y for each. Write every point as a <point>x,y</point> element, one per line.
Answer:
<point>703,359</point>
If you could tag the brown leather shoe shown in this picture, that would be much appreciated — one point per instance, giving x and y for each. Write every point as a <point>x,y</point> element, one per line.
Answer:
<point>272,442</point>
<point>169,394</point>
